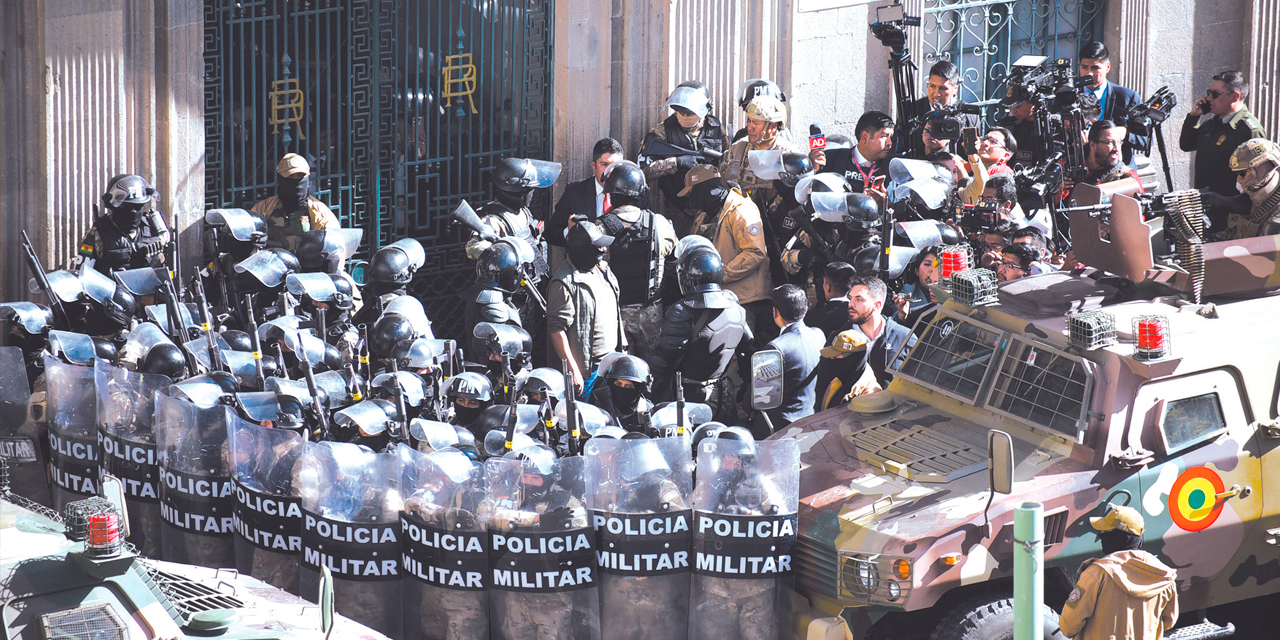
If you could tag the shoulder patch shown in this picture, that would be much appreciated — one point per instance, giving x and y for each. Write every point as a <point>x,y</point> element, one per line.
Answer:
<point>754,229</point>
<point>1075,596</point>
<point>86,248</point>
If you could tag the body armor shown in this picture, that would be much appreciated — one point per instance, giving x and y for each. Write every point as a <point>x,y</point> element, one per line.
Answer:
<point>506,222</point>
<point>633,256</point>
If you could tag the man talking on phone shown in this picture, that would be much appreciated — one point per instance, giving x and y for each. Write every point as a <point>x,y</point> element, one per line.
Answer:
<point>1217,124</point>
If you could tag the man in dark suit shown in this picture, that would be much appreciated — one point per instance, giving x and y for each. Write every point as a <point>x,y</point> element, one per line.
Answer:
<point>799,345</point>
<point>1115,100</point>
<point>832,316</point>
<point>874,344</point>
<point>942,91</point>
<point>585,197</point>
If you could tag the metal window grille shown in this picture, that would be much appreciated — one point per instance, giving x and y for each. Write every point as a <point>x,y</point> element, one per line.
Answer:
<point>984,37</point>
<point>1042,386</point>
<point>92,621</point>
<point>953,357</point>
<point>1090,330</point>
<point>974,287</point>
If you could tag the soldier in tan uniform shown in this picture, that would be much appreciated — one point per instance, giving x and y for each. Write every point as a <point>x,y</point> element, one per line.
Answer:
<point>766,116</point>
<point>293,211</point>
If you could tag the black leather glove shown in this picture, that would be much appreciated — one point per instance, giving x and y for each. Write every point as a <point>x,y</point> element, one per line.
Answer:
<point>685,163</point>
<point>557,519</point>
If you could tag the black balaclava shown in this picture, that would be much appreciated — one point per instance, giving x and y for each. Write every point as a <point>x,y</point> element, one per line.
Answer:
<point>709,196</point>
<point>292,191</point>
<point>1117,540</point>
<point>584,255</point>
<point>618,200</point>
<point>465,416</point>
<point>127,216</point>
<point>625,399</point>
<point>514,201</point>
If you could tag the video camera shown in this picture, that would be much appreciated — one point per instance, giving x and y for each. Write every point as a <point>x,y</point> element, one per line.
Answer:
<point>1049,84</point>
<point>977,218</point>
<point>1154,111</point>
<point>946,123</point>
<point>890,25</point>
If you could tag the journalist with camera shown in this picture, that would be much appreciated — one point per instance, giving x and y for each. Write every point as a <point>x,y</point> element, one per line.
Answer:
<point>1217,124</point>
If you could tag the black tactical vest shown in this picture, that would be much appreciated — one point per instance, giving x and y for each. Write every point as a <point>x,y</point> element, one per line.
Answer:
<point>633,257</point>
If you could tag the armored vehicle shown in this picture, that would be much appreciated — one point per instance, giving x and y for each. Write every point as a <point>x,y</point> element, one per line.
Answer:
<point>71,577</point>
<point>1112,390</point>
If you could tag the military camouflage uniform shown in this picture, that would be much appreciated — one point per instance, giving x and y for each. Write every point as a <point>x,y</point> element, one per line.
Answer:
<point>669,177</point>
<point>736,167</point>
<point>283,228</point>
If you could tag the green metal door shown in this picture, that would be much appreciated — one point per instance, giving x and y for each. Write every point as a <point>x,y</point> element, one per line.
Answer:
<point>400,106</point>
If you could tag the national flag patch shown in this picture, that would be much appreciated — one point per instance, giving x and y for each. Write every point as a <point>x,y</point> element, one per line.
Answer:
<point>86,249</point>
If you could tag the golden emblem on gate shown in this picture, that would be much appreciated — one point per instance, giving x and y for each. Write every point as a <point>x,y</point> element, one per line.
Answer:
<point>459,79</point>
<point>288,103</point>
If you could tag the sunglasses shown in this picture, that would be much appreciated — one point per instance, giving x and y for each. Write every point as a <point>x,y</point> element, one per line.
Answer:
<point>1214,93</point>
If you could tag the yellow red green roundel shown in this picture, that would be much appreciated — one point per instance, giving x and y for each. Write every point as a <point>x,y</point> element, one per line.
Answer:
<point>1193,502</point>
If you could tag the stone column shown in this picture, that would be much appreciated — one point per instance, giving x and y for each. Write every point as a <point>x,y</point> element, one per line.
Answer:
<point>23,188</point>
<point>1262,49</point>
<point>582,84</point>
<point>179,107</point>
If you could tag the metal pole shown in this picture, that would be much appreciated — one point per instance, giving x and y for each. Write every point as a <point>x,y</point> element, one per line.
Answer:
<point>1028,571</point>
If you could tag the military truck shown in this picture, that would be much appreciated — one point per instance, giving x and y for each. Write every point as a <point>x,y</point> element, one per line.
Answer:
<point>1113,389</point>
<point>57,583</point>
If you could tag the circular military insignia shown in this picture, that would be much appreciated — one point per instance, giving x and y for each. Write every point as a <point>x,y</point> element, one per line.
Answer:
<point>1193,503</point>
<point>754,229</point>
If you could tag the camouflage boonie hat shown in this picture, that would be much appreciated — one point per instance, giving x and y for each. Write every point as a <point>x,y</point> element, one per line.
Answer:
<point>1253,153</point>
<point>1122,518</point>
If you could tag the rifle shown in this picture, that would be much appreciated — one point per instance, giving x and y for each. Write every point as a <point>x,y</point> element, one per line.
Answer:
<point>820,246</point>
<point>177,328</point>
<point>251,323</point>
<point>533,292</point>
<point>316,405</point>
<point>42,279</point>
<point>399,435</point>
<point>658,149</point>
<point>206,323</point>
<point>679,404</point>
<point>353,387</point>
<point>364,352</point>
<point>570,407</point>
<point>511,409</point>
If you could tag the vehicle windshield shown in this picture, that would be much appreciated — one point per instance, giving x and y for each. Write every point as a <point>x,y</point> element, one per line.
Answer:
<point>953,357</point>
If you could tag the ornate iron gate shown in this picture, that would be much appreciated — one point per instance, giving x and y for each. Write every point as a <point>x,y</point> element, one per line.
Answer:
<point>984,37</point>
<point>401,106</point>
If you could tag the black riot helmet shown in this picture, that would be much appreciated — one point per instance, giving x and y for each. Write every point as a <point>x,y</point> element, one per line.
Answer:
<point>120,307</point>
<point>864,213</point>
<point>699,270</point>
<point>288,258</point>
<point>238,340</point>
<point>289,414</point>
<point>704,431</point>
<point>470,385</point>
<point>795,166</point>
<point>105,350</point>
<point>625,178</point>
<point>537,461</point>
<point>396,263</point>
<point>165,359</point>
<point>234,231</point>
<point>499,267</point>
<point>324,250</point>
<point>515,175</point>
<point>632,369</point>
<point>388,331</point>
<point>125,199</point>
<point>757,87</point>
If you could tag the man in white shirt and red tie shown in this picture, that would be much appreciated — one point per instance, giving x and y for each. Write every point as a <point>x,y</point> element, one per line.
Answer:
<point>585,197</point>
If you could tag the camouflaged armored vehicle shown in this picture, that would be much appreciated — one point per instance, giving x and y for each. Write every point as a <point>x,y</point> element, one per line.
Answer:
<point>56,583</point>
<point>898,528</point>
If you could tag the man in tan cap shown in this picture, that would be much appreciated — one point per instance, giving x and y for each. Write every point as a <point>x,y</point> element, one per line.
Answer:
<point>292,211</point>
<point>732,222</point>
<point>1127,593</point>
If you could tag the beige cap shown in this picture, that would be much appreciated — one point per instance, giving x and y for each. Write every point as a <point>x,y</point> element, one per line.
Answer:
<point>293,163</point>
<point>1120,517</point>
<point>844,344</point>
<point>700,173</point>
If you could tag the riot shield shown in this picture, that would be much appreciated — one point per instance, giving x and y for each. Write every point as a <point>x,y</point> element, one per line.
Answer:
<point>72,414</point>
<point>350,524</point>
<point>196,500</point>
<point>19,434</point>
<point>268,509</point>
<point>127,440</point>
<point>541,549</point>
<point>744,529</point>
<point>640,496</point>
<point>445,562</point>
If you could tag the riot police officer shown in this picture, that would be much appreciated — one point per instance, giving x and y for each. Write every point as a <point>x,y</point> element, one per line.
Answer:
<point>468,394</point>
<point>701,333</point>
<point>390,272</point>
<point>229,237</point>
<point>642,242</point>
<point>293,211</point>
<point>625,394</point>
<point>508,214</point>
<point>691,126</point>
<point>766,117</point>
<point>125,236</point>
<point>498,275</point>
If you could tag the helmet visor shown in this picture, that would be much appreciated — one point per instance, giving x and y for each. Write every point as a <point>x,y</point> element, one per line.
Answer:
<point>767,165</point>
<point>144,281</point>
<point>98,286</point>
<point>410,309</point>
<point>689,99</point>
<point>33,317</point>
<point>266,266</point>
<point>65,285</point>
<point>76,348</point>
<point>829,206</point>
<point>317,286</point>
<point>367,415</point>
<point>239,223</point>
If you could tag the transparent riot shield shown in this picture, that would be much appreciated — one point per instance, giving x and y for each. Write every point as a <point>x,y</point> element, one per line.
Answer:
<point>268,509</point>
<point>72,415</point>
<point>196,499</point>
<point>350,524</point>
<point>445,562</point>
<point>127,441</point>
<point>541,549</point>
<point>19,434</point>
<point>744,529</point>
<point>640,495</point>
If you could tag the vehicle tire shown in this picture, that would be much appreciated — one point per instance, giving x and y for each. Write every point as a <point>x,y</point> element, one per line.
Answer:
<point>989,617</point>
